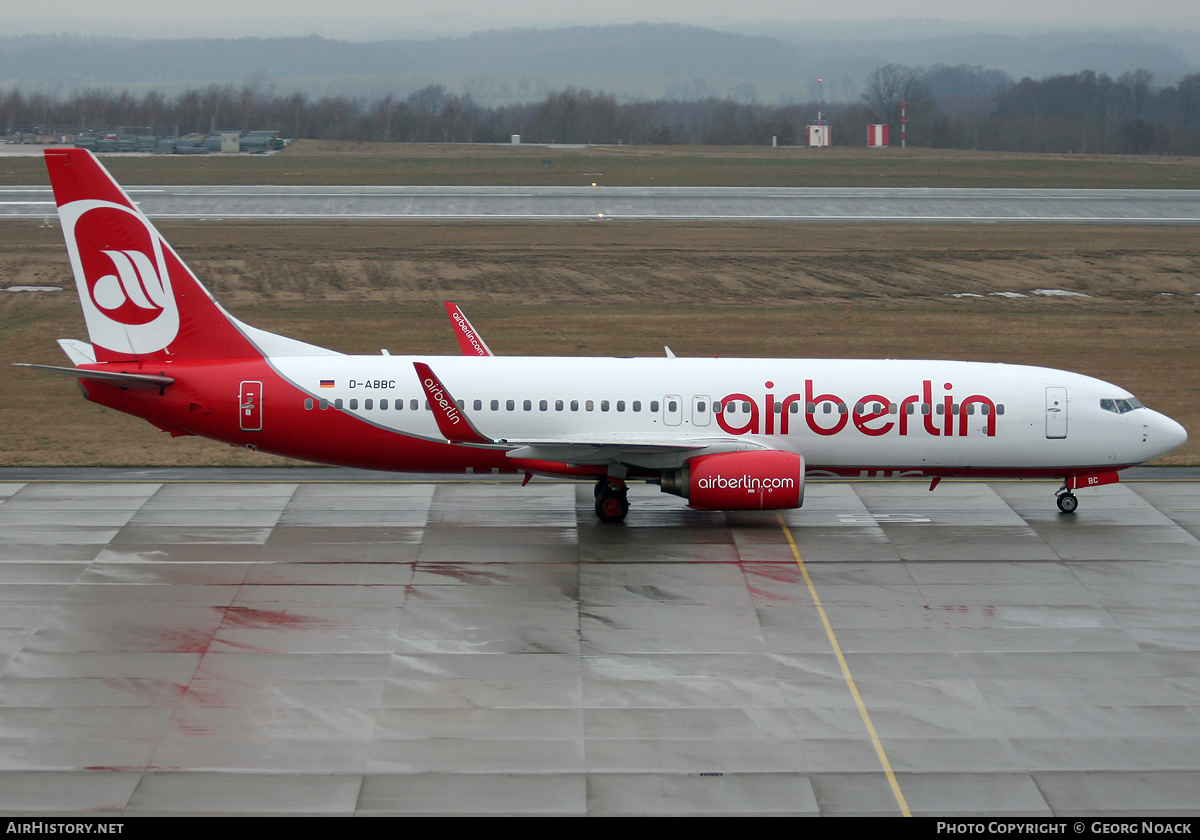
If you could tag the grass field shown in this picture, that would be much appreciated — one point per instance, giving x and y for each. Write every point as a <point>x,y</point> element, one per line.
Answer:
<point>324,163</point>
<point>763,289</point>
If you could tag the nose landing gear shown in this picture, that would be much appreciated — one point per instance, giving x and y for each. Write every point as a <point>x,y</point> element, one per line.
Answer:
<point>1067,501</point>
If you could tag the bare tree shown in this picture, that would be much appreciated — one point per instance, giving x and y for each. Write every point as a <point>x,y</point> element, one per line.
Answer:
<point>886,87</point>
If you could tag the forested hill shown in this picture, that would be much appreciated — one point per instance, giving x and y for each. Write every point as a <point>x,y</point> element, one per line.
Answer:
<point>628,61</point>
<point>636,49</point>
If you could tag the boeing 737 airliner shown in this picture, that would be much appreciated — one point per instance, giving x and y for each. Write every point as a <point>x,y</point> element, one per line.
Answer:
<point>725,434</point>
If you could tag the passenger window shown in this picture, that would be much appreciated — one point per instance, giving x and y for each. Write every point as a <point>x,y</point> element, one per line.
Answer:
<point>637,405</point>
<point>495,405</point>
<point>558,405</point>
<point>383,404</point>
<point>308,404</point>
<point>604,405</point>
<point>323,404</point>
<point>543,405</point>
<point>574,405</point>
<point>337,403</point>
<point>620,405</point>
<point>672,406</point>
<point>700,407</point>
<point>477,405</point>
<point>589,405</point>
<point>654,406</point>
<point>510,405</point>
<point>368,404</point>
<point>527,405</point>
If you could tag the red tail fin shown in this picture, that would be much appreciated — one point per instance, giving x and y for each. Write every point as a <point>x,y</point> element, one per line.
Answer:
<point>139,300</point>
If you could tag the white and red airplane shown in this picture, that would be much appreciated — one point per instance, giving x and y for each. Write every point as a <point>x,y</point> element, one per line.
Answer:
<point>725,434</point>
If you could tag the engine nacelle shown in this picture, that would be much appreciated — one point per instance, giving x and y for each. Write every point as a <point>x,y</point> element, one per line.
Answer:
<point>760,479</point>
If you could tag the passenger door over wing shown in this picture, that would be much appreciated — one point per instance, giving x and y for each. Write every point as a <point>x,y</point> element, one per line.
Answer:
<point>672,409</point>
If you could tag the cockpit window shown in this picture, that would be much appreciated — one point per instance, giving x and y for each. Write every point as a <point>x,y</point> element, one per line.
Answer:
<point>1121,406</point>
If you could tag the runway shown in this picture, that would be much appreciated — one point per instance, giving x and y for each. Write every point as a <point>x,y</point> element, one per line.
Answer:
<point>809,204</point>
<point>309,641</point>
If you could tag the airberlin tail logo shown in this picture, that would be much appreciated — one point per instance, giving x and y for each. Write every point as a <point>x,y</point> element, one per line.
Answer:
<point>136,294</point>
<point>123,273</point>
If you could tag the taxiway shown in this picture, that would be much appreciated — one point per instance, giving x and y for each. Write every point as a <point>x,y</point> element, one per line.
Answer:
<point>307,641</point>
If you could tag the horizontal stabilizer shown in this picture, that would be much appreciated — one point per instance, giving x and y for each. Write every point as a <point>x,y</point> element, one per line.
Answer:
<point>125,380</point>
<point>79,352</point>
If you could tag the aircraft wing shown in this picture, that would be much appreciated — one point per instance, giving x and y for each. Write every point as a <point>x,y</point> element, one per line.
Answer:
<point>469,340</point>
<point>648,453</point>
<point>656,452</point>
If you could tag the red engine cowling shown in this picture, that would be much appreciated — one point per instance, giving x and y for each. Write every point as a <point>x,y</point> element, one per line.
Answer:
<point>762,479</point>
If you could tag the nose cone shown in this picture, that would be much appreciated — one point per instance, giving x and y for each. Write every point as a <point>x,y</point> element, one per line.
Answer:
<point>1163,434</point>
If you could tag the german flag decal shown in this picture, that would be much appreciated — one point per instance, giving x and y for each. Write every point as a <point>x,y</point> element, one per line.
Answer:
<point>326,383</point>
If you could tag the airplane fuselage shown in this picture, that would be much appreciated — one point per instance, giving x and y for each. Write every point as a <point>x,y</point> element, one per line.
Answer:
<point>846,417</point>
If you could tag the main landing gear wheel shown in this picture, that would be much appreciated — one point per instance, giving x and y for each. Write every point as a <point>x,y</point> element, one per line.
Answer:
<point>1067,502</point>
<point>612,501</point>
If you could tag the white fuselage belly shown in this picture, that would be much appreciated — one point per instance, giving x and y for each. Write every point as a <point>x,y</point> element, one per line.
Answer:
<point>837,413</point>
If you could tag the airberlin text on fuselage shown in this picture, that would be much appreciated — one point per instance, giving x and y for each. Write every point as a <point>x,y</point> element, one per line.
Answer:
<point>870,413</point>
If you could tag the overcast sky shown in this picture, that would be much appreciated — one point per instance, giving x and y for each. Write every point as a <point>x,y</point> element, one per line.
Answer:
<point>367,19</point>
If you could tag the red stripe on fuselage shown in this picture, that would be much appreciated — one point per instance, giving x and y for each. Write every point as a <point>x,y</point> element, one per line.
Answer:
<point>817,471</point>
<point>204,401</point>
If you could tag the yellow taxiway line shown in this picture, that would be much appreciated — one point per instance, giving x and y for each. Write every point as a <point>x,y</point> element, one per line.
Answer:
<point>837,649</point>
